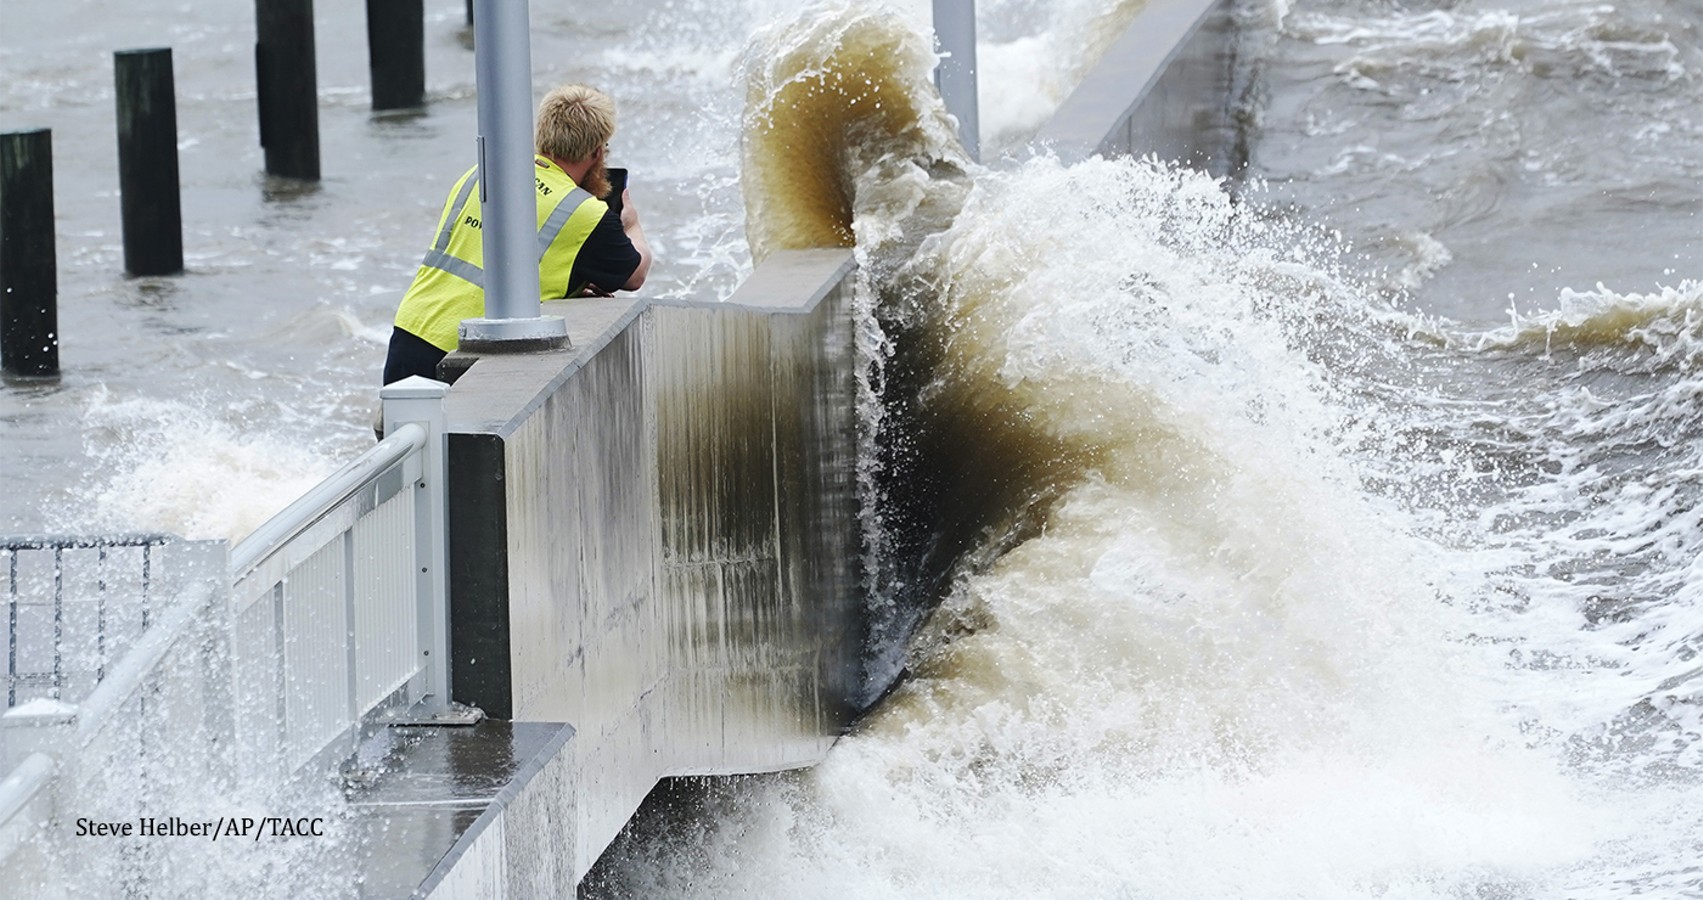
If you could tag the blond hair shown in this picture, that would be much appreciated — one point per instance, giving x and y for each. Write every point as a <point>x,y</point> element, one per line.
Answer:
<point>573,121</point>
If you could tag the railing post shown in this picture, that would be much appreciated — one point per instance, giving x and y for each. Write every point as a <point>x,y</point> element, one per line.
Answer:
<point>26,798</point>
<point>955,26</point>
<point>44,727</point>
<point>420,401</point>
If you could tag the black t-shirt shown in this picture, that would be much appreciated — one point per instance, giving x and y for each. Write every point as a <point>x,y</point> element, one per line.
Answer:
<point>607,260</point>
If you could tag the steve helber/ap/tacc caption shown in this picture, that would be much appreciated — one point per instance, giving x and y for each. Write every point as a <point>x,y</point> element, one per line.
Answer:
<point>251,828</point>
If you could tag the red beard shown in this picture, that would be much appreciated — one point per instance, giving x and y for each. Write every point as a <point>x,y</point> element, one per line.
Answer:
<point>596,181</point>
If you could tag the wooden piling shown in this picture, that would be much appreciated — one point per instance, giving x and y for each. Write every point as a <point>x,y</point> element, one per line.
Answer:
<point>147,162</point>
<point>288,87</point>
<point>396,53</point>
<point>29,275</point>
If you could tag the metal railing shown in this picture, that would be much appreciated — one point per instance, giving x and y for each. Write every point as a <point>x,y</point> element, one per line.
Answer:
<point>338,605</point>
<point>72,607</point>
<point>100,757</point>
<point>253,662</point>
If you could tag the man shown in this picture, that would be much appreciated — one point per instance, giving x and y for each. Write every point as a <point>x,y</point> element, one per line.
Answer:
<point>587,248</point>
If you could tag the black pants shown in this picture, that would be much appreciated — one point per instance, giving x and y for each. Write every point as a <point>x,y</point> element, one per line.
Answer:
<point>410,355</point>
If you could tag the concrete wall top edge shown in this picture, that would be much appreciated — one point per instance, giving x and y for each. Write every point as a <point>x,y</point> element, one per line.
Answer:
<point>498,394</point>
<point>1122,78</point>
<point>787,281</point>
<point>517,783</point>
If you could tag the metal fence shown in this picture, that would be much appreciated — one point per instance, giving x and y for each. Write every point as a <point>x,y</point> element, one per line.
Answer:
<point>72,607</point>
<point>243,666</point>
<point>338,604</point>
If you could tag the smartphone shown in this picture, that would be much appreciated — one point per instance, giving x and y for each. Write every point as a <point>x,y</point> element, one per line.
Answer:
<point>617,184</point>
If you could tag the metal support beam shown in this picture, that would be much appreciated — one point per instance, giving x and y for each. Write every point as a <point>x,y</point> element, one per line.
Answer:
<point>955,28</point>
<point>508,201</point>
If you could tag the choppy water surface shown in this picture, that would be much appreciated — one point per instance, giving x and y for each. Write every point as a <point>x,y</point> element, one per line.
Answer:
<point>1491,153</point>
<point>1281,559</point>
<point>1311,579</point>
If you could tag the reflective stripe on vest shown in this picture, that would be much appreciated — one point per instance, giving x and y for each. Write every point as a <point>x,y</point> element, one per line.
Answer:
<point>455,208</point>
<point>440,258</point>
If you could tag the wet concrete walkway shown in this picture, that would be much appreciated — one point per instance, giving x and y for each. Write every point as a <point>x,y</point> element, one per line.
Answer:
<point>440,797</point>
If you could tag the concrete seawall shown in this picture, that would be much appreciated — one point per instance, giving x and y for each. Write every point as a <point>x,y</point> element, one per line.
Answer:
<point>1166,88</point>
<point>654,537</point>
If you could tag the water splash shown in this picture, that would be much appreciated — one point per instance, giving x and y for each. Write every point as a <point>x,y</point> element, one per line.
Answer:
<point>829,93</point>
<point>198,470</point>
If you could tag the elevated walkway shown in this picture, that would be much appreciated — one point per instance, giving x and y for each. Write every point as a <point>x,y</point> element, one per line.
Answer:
<point>466,812</point>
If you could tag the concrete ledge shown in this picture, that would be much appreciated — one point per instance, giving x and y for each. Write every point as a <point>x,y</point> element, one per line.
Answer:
<point>654,537</point>
<point>792,281</point>
<point>435,822</point>
<point>1164,88</point>
<point>789,281</point>
<point>504,401</point>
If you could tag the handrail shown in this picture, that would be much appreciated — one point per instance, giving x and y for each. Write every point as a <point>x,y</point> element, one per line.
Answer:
<point>324,497</point>
<point>82,542</point>
<point>20,785</point>
<point>132,671</point>
<point>353,630</point>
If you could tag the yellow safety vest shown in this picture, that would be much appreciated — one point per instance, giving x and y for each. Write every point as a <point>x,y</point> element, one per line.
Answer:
<point>449,286</point>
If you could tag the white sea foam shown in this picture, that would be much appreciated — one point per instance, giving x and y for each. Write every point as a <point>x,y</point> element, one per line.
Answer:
<point>1226,667</point>
<point>1033,55</point>
<point>1428,254</point>
<point>195,470</point>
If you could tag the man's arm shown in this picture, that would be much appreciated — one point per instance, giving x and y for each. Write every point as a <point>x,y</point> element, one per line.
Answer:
<point>636,234</point>
<point>610,260</point>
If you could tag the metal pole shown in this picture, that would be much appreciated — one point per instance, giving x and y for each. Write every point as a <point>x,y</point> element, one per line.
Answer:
<point>147,162</point>
<point>29,271</point>
<point>502,64</point>
<point>955,27</point>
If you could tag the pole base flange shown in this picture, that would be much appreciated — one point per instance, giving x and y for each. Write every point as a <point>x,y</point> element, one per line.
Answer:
<point>514,335</point>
